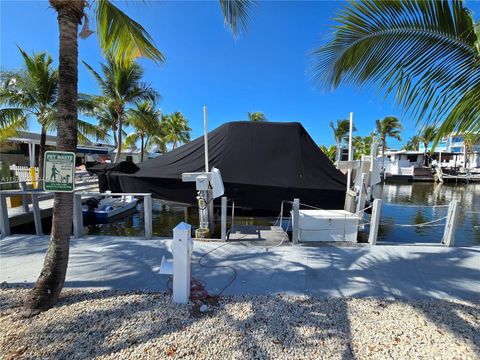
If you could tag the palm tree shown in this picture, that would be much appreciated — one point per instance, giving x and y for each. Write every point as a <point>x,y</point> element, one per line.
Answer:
<point>146,120</point>
<point>256,116</point>
<point>340,132</point>
<point>425,53</point>
<point>33,92</point>
<point>469,141</point>
<point>124,39</point>
<point>330,152</point>
<point>385,128</point>
<point>121,86</point>
<point>412,143</point>
<point>427,135</point>
<point>175,129</point>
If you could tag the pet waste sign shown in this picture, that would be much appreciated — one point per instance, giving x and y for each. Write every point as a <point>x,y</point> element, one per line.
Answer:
<point>59,170</point>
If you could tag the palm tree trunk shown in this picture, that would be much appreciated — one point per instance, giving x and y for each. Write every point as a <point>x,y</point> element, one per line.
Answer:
<point>119,139</point>
<point>52,277</point>
<point>41,154</point>
<point>141,156</point>
<point>337,155</point>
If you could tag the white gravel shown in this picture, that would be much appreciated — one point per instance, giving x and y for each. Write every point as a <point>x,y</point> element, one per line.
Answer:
<point>115,325</point>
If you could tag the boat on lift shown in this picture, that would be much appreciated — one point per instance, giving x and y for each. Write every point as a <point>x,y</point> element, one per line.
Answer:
<point>109,207</point>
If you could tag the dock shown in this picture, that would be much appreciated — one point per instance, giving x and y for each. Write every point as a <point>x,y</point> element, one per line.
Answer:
<point>250,235</point>
<point>128,263</point>
<point>36,203</point>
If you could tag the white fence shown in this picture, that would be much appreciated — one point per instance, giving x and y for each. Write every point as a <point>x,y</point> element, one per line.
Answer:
<point>22,173</point>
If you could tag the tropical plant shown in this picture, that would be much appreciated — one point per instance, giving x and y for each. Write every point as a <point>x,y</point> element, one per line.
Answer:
<point>412,143</point>
<point>125,40</point>
<point>146,121</point>
<point>256,116</point>
<point>389,127</point>
<point>425,53</point>
<point>121,86</point>
<point>175,129</point>
<point>469,142</point>
<point>33,92</point>
<point>362,145</point>
<point>341,131</point>
<point>330,152</point>
<point>427,135</point>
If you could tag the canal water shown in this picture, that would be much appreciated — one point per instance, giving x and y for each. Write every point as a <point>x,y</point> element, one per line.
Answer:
<point>404,207</point>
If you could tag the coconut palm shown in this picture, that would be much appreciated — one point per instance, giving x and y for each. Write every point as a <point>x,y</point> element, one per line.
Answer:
<point>425,53</point>
<point>175,129</point>
<point>146,121</point>
<point>412,143</point>
<point>121,86</point>
<point>256,116</point>
<point>32,93</point>
<point>341,131</point>
<point>362,145</point>
<point>427,135</point>
<point>125,40</point>
<point>389,127</point>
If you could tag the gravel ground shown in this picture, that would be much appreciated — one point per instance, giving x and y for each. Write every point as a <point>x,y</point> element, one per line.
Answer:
<point>119,325</point>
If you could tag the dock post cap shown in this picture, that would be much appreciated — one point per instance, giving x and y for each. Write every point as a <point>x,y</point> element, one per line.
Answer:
<point>183,226</point>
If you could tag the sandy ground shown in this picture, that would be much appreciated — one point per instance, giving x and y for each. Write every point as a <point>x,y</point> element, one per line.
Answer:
<point>129,325</point>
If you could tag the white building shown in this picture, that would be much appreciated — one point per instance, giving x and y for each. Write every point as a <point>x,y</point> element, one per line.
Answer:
<point>454,144</point>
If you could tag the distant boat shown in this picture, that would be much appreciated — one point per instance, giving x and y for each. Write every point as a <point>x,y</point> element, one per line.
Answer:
<point>104,209</point>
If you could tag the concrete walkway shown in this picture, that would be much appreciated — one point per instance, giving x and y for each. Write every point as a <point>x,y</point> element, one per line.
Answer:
<point>365,271</point>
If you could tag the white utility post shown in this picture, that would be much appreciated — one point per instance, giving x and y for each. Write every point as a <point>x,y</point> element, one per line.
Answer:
<point>375,221</point>
<point>350,151</point>
<point>451,224</point>
<point>181,264</point>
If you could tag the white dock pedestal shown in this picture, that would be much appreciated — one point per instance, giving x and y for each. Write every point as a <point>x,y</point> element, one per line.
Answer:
<point>181,264</point>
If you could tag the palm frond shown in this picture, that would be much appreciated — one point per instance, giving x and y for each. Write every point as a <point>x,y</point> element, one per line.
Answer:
<point>424,53</point>
<point>236,14</point>
<point>121,36</point>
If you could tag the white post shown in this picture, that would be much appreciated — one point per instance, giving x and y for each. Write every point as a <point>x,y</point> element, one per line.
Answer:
<point>375,221</point>
<point>451,224</point>
<point>31,154</point>
<point>147,213</point>
<point>37,217</point>
<point>4,222</point>
<point>223,230</point>
<point>23,186</point>
<point>350,152</point>
<point>295,220</point>
<point>77,216</point>
<point>361,196</point>
<point>205,136</point>
<point>182,248</point>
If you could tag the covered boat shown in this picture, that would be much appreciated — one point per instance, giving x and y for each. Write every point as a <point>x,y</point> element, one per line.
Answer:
<point>262,163</point>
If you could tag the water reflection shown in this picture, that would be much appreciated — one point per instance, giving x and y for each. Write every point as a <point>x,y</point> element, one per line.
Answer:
<point>417,203</point>
<point>403,204</point>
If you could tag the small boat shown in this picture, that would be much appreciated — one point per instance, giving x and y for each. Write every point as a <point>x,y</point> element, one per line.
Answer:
<point>109,207</point>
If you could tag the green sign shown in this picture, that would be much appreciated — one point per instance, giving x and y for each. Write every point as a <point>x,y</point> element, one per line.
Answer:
<point>59,171</point>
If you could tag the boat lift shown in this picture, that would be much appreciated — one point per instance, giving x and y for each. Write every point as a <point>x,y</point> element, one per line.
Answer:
<point>315,224</point>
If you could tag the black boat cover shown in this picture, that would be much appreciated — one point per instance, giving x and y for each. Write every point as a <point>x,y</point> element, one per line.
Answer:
<point>262,163</point>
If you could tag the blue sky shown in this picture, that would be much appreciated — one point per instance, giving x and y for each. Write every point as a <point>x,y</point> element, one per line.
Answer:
<point>264,70</point>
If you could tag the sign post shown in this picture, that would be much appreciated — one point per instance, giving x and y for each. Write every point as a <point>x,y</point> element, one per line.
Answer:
<point>59,170</point>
